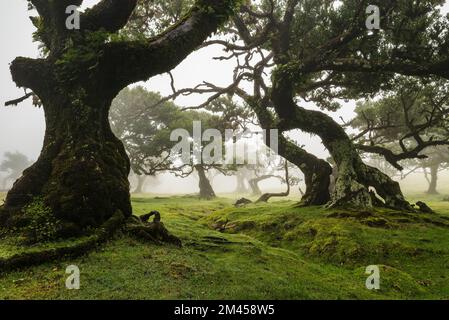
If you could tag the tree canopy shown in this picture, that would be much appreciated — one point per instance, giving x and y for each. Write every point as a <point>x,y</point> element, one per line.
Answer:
<point>293,52</point>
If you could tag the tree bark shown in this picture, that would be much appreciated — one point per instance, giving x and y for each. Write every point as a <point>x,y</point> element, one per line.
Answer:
<point>82,172</point>
<point>354,177</point>
<point>433,179</point>
<point>206,191</point>
<point>316,171</point>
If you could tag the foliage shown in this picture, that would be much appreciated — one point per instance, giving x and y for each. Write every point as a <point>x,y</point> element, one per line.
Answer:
<point>413,115</point>
<point>42,226</point>
<point>153,17</point>
<point>413,31</point>
<point>144,122</point>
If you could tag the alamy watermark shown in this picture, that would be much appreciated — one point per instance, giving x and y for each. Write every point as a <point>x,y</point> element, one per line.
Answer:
<point>373,19</point>
<point>73,20</point>
<point>373,281</point>
<point>73,281</point>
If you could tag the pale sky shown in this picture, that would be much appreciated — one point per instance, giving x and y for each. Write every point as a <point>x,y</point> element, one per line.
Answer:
<point>22,127</point>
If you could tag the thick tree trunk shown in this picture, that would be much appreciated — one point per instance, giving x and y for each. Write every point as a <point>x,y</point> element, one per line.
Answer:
<point>206,191</point>
<point>354,177</point>
<point>433,179</point>
<point>316,171</point>
<point>81,175</point>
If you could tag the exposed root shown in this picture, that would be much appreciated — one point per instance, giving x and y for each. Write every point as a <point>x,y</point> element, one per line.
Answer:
<point>242,202</point>
<point>154,231</point>
<point>423,207</point>
<point>25,259</point>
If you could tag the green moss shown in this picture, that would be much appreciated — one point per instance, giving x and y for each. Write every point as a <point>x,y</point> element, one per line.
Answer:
<point>397,281</point>
<point>81,54</point>
<point>330,242</point>
<point>269,251</point>
<point>42,224</point>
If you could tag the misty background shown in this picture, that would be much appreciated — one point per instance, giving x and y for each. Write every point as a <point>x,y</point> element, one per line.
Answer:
<point>22,127</point>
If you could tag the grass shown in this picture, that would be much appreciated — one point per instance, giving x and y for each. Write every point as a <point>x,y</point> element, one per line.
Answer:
<point>274,251</point>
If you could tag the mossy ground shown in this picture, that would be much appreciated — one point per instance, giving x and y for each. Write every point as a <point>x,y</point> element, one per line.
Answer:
<point>263,251</point>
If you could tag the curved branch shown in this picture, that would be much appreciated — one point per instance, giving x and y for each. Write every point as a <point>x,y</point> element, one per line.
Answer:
<point>28,73</point>
<point>110,15</point>
<point>133,61</point>
<point>15,102</point>
<point>393,158</point>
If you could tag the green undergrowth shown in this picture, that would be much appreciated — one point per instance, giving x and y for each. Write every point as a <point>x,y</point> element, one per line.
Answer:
<point>263,251</point>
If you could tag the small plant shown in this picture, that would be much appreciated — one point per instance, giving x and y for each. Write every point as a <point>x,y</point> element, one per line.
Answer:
<point>43,225</point>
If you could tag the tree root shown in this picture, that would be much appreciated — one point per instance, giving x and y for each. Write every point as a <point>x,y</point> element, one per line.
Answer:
<point>25,259</point>
<point>241,202</point>
<point>139,227</point>
<point>423,207</point>
<point>154,231</point>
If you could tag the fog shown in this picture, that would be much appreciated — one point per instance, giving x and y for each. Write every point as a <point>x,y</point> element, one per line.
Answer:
<point>22,127</point>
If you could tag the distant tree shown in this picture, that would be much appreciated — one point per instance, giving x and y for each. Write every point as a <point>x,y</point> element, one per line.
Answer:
<point>13,165</point>
<point>144,122</point>
<point>286,179</point>
<point>242,175</point>
<point>438,160</point>
<point>409,127</point>
<point>144,127</point>
<point>139,183</point>
<point>264,170</point>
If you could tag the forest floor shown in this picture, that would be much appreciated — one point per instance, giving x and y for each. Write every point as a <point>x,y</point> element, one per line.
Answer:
<point>260,251</point>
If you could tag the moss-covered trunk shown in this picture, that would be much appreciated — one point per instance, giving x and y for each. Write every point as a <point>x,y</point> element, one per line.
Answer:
<point>81,173</point>
<point>316,172</point>
<point>206,190</point>
<point>354,178</point>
